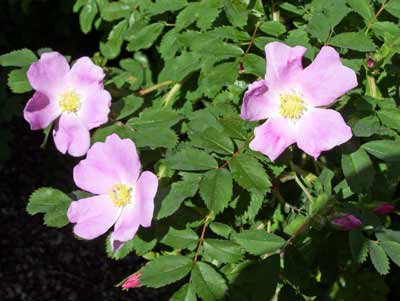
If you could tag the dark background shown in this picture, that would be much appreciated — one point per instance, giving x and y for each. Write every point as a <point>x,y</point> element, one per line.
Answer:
<point>37,262</point>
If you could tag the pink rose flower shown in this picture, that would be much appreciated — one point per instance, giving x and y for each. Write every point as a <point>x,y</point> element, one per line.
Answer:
<point>124,196</point>
<point>347,222</point>
<point>73,97</point>
<point>290,97</point>
<point>132,281</point>
<point>384,209</point>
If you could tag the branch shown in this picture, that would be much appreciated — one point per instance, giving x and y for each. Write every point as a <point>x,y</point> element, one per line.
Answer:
<point>203,232</point>
<point>155,87</point>
<point>376,16</point>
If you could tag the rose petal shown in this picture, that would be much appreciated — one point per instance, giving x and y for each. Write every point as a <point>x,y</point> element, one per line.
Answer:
<point>127,224</point>
<point>48,74</point>
<point>85,73</point>
<point>284,64</point>
<point>95,107</point>
<point>258,102</point>
<point>273,137</point>
<point>40,111</point>
<point>122,155</point>
<point>326,79</point>
<point>95,174</point>
<point>70,135</point>
<point>146,189</point>
<point>321,130</point>
<point>93,216</point>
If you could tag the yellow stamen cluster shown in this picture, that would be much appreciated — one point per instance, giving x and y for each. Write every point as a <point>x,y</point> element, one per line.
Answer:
<point>70,102</point>
<point>120,194</point>
<point>291,106</point>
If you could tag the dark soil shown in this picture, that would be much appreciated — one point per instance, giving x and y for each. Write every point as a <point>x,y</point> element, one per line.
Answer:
<point>41,263</point>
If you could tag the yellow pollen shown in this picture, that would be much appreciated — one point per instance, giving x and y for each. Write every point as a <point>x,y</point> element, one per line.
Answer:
<point>120,194</point>
<point>70,102</point>
<point>291,106</point>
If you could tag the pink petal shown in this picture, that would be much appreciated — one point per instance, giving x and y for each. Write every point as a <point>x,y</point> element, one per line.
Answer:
<point>273,137</point>
<point>321,130</point>
<point>258,102</point>
<point>127,224</point>
<point>146,189</point>
<point>40,111</point>
<point>326,79</point>
<point>283,64</point>
<point>70,135</point>
<point>140,212</point>
<point>48,74</point>
<point>95,108</point>
<point>85,73</point>
<point>95,174</point>
<point>122,155</point>
<point>93,216</point>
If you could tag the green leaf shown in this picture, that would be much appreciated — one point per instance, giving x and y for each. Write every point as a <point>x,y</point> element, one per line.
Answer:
<point>207,282</point>
<point>358,170</point>
<point>249,173</point>
<point>254,64</point>
<point>18,58</point>
<point>156,118</point>
<point>53,203</point>
<point>87,15</point>
<point>273,28</point>
<point>115,10</point>
<point>386,150</point>
<point>185,293</point>
<point>388,235</point>
<point>216,189</point>
<point>221,229</point>
<point>378,258</point>
<point>326,17</point>
<point>178,193</point>
<point>203,13</point>
<point>358,41</point>
<point>358,246</point>
<point>145,37</point>
<point>295,224</point>
<point>390,118</point>
<point>162,6</point>
<point>256,201</point>
<point>165,269</point>
<point>181,239</point>
<point>112,48</point>
<point>179,67</point>
<point>366,127</point>
<point>392,249</point>
<point>122,131</point>
<point>382,29</point>
<point>136,244</point>
<point>393,7</point>
<point>259,242</point>
<point>191,159</point>
<point>155,137</point>
<point>363,8</point>
<point>236,12</point>
<point>222,250</point>
<point>219,76</point>
<point>127,106</point>
<point>213,140</point>
<point>18,81</point>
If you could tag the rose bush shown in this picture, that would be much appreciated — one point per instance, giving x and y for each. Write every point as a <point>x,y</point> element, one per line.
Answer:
<point>229,208</point>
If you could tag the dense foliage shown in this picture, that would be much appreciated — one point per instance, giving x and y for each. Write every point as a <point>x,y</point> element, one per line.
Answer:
<point>229,223</point>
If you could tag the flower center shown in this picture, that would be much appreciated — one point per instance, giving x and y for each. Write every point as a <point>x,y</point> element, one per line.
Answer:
<point>120,194</point>
<point>70,102</point>
<point>291,106</point>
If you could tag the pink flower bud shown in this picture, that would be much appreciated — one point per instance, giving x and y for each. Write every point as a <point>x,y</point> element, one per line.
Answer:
<point>132,281</point>
<point>370,63</point>
<point>347,222</point>
<point>384,209</point>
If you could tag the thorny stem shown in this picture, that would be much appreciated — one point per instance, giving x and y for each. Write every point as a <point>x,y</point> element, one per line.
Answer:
<point>253,37</point>
<point>305,190</point>
<point>155,87</point>
<point>240,149</point>
<point>375,17</point>
<point>203,232</point>
<point>299,231</point>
